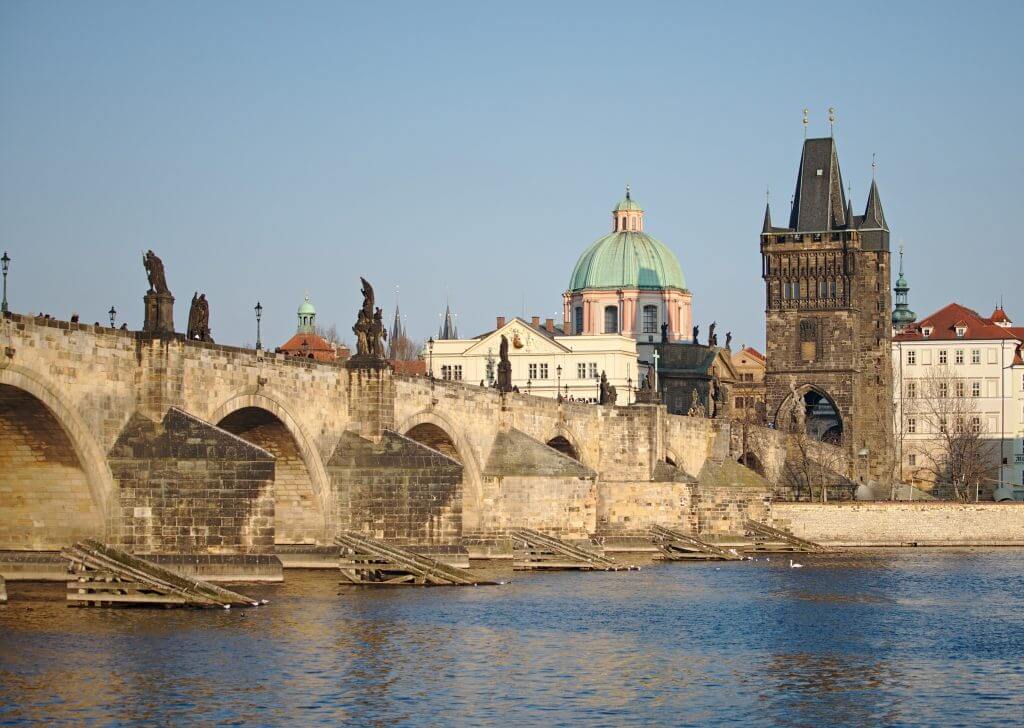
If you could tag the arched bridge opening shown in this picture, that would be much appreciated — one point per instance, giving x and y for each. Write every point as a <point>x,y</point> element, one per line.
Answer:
<point>45,498</point>
<point>817,414</point>
<point>297,514</point>
<point>429,434</point>
<point>562,444</point>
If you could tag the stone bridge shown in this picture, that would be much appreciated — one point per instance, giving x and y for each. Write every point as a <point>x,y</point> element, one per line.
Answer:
<point>164,445</point>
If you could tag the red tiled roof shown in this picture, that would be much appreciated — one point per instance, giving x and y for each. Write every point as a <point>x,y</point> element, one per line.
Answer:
<point>999,316</point>
<point>414,368</point>
<point>946,319</point>
<point>311,346</point>
<point>754,353</point>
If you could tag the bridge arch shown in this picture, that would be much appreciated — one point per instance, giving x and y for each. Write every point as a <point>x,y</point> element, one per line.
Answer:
<point>566,442</point>
<point>302,511</point>
<point>58,485</point>
<point>427,428</point>
<point>822,418</point>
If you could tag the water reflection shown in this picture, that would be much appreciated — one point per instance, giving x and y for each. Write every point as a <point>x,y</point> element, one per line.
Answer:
<point>861,639</point>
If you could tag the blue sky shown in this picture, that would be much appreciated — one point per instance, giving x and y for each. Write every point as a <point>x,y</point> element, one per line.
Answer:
<point>472,151</point>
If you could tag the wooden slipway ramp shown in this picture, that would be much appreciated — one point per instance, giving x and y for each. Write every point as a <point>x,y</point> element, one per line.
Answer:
<point>102,575</point>
<point>533,550</point>
<point>678,546</point>
<point>366,561</point>
<point>769,539</point>
<point>3,590</point>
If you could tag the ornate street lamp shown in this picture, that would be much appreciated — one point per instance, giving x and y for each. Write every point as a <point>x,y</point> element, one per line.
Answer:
<point>558,388</point>
<point>6,260</point>
<point>629,389</point>
<point>113,316</point>
<point>529,383</point>
<point>430,357</point>
<point>259,316</point>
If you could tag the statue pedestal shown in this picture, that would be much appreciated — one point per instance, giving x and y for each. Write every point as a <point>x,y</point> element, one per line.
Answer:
<point>159,313</point>
<point>363,361</point>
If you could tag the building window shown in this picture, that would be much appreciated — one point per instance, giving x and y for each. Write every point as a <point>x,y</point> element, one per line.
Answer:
<point>578,320</point>
<point>532,369</point>
<point>943,389</point>
<point>942,356</point>
<point>458,372</point>
<point>961,332</point>
<point>832,289</point>
<point>975,356</point>
<point>543,371</point>
<point>958,425</point>
<point>911,357</point>
<point>796,289</point>
<point>611,319</point>
<point>581,370</point>
<point>823,289</point>
<point>911,390</point>
<point>959,389</point>
<point>650,319</point>
<point>958,356</point>
<point>975,389</point>
<point>747,377</point>
<point>912,459</point>
<point>975,425</point>
<point>911,425</point>
<point>943,425</point>
<point>592,369</point>
<point>446,371</point>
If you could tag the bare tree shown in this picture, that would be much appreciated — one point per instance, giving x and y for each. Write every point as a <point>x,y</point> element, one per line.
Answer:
<point>402,348</point>
<point>811,466</point>
<point>955,454</point>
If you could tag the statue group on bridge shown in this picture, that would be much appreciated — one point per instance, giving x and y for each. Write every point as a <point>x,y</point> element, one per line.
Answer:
<point>369,327</point>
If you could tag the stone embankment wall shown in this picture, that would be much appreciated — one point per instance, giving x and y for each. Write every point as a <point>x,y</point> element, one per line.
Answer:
<point>904,524</point>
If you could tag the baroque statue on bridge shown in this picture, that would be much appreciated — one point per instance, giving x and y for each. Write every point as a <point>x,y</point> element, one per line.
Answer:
<point>504,367</point>
<point>369,328</point>
<point>155,273</point>
<point>608,393</point>
<point>199,319</point>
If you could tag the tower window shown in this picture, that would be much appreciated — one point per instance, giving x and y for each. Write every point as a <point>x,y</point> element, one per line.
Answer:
<point>578,319</point>
<point>650,319</point>
<point>611,319</point>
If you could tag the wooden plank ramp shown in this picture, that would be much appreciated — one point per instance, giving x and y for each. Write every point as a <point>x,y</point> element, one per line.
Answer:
<point>366,561</point>
<point>3,590</point>
<point>770,539</point>
<point>679,546</point>
<point>533,550</point>
<point>101,575</point>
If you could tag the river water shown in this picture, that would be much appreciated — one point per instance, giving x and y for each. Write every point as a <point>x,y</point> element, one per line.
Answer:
<point>915,637</point>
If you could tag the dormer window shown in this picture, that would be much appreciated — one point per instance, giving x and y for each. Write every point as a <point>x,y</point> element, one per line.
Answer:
<point>961,332</point>
<point>926,331</point>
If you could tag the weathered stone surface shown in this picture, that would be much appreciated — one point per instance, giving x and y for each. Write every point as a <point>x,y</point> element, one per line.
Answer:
<point>930,523</point>
<point>185,486</point>
<point>516,453</point>
<point>396,489</point>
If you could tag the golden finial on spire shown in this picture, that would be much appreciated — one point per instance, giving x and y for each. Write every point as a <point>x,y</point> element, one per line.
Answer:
<point>831,121</point>
<point>806,112</point>
<point>627,192</point>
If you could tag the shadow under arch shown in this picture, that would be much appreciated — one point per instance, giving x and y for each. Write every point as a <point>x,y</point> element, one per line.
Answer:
<point>90,454</point>
<point>822,417</point>
<point>308,453</point>
<point>566,442</point>
<point>463,452</point>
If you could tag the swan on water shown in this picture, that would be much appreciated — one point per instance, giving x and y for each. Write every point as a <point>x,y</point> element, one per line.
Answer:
<point>793,565</point>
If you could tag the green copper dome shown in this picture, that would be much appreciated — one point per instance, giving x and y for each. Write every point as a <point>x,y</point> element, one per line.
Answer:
<point>307,307</point>
<point>627,260</point>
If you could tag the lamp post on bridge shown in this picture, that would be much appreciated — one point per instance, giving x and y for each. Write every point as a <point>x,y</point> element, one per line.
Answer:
<point>6,260</point>
<point>113,316</point>
<point>259,315</point>
<point>558,387</point>
<point>430,357</point>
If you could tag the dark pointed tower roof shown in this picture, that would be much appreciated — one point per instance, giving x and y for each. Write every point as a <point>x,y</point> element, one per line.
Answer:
<point>819,203</point>
<point>397,330</point>
<point>448,329</point>
<point>874,218</point>
<point>851,219</point>
<point>767,227</point>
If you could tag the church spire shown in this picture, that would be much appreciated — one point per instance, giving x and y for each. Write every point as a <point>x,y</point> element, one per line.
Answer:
<point>873,215</point>
<point>767,226</point>
<point>902,315</point>
<point>448,329</point>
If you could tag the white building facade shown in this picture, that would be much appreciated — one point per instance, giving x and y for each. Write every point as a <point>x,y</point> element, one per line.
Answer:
<point>545,362</point>
<point>974,362</point>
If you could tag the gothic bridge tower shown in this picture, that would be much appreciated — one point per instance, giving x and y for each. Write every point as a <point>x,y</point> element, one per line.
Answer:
<point>827,314</point>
